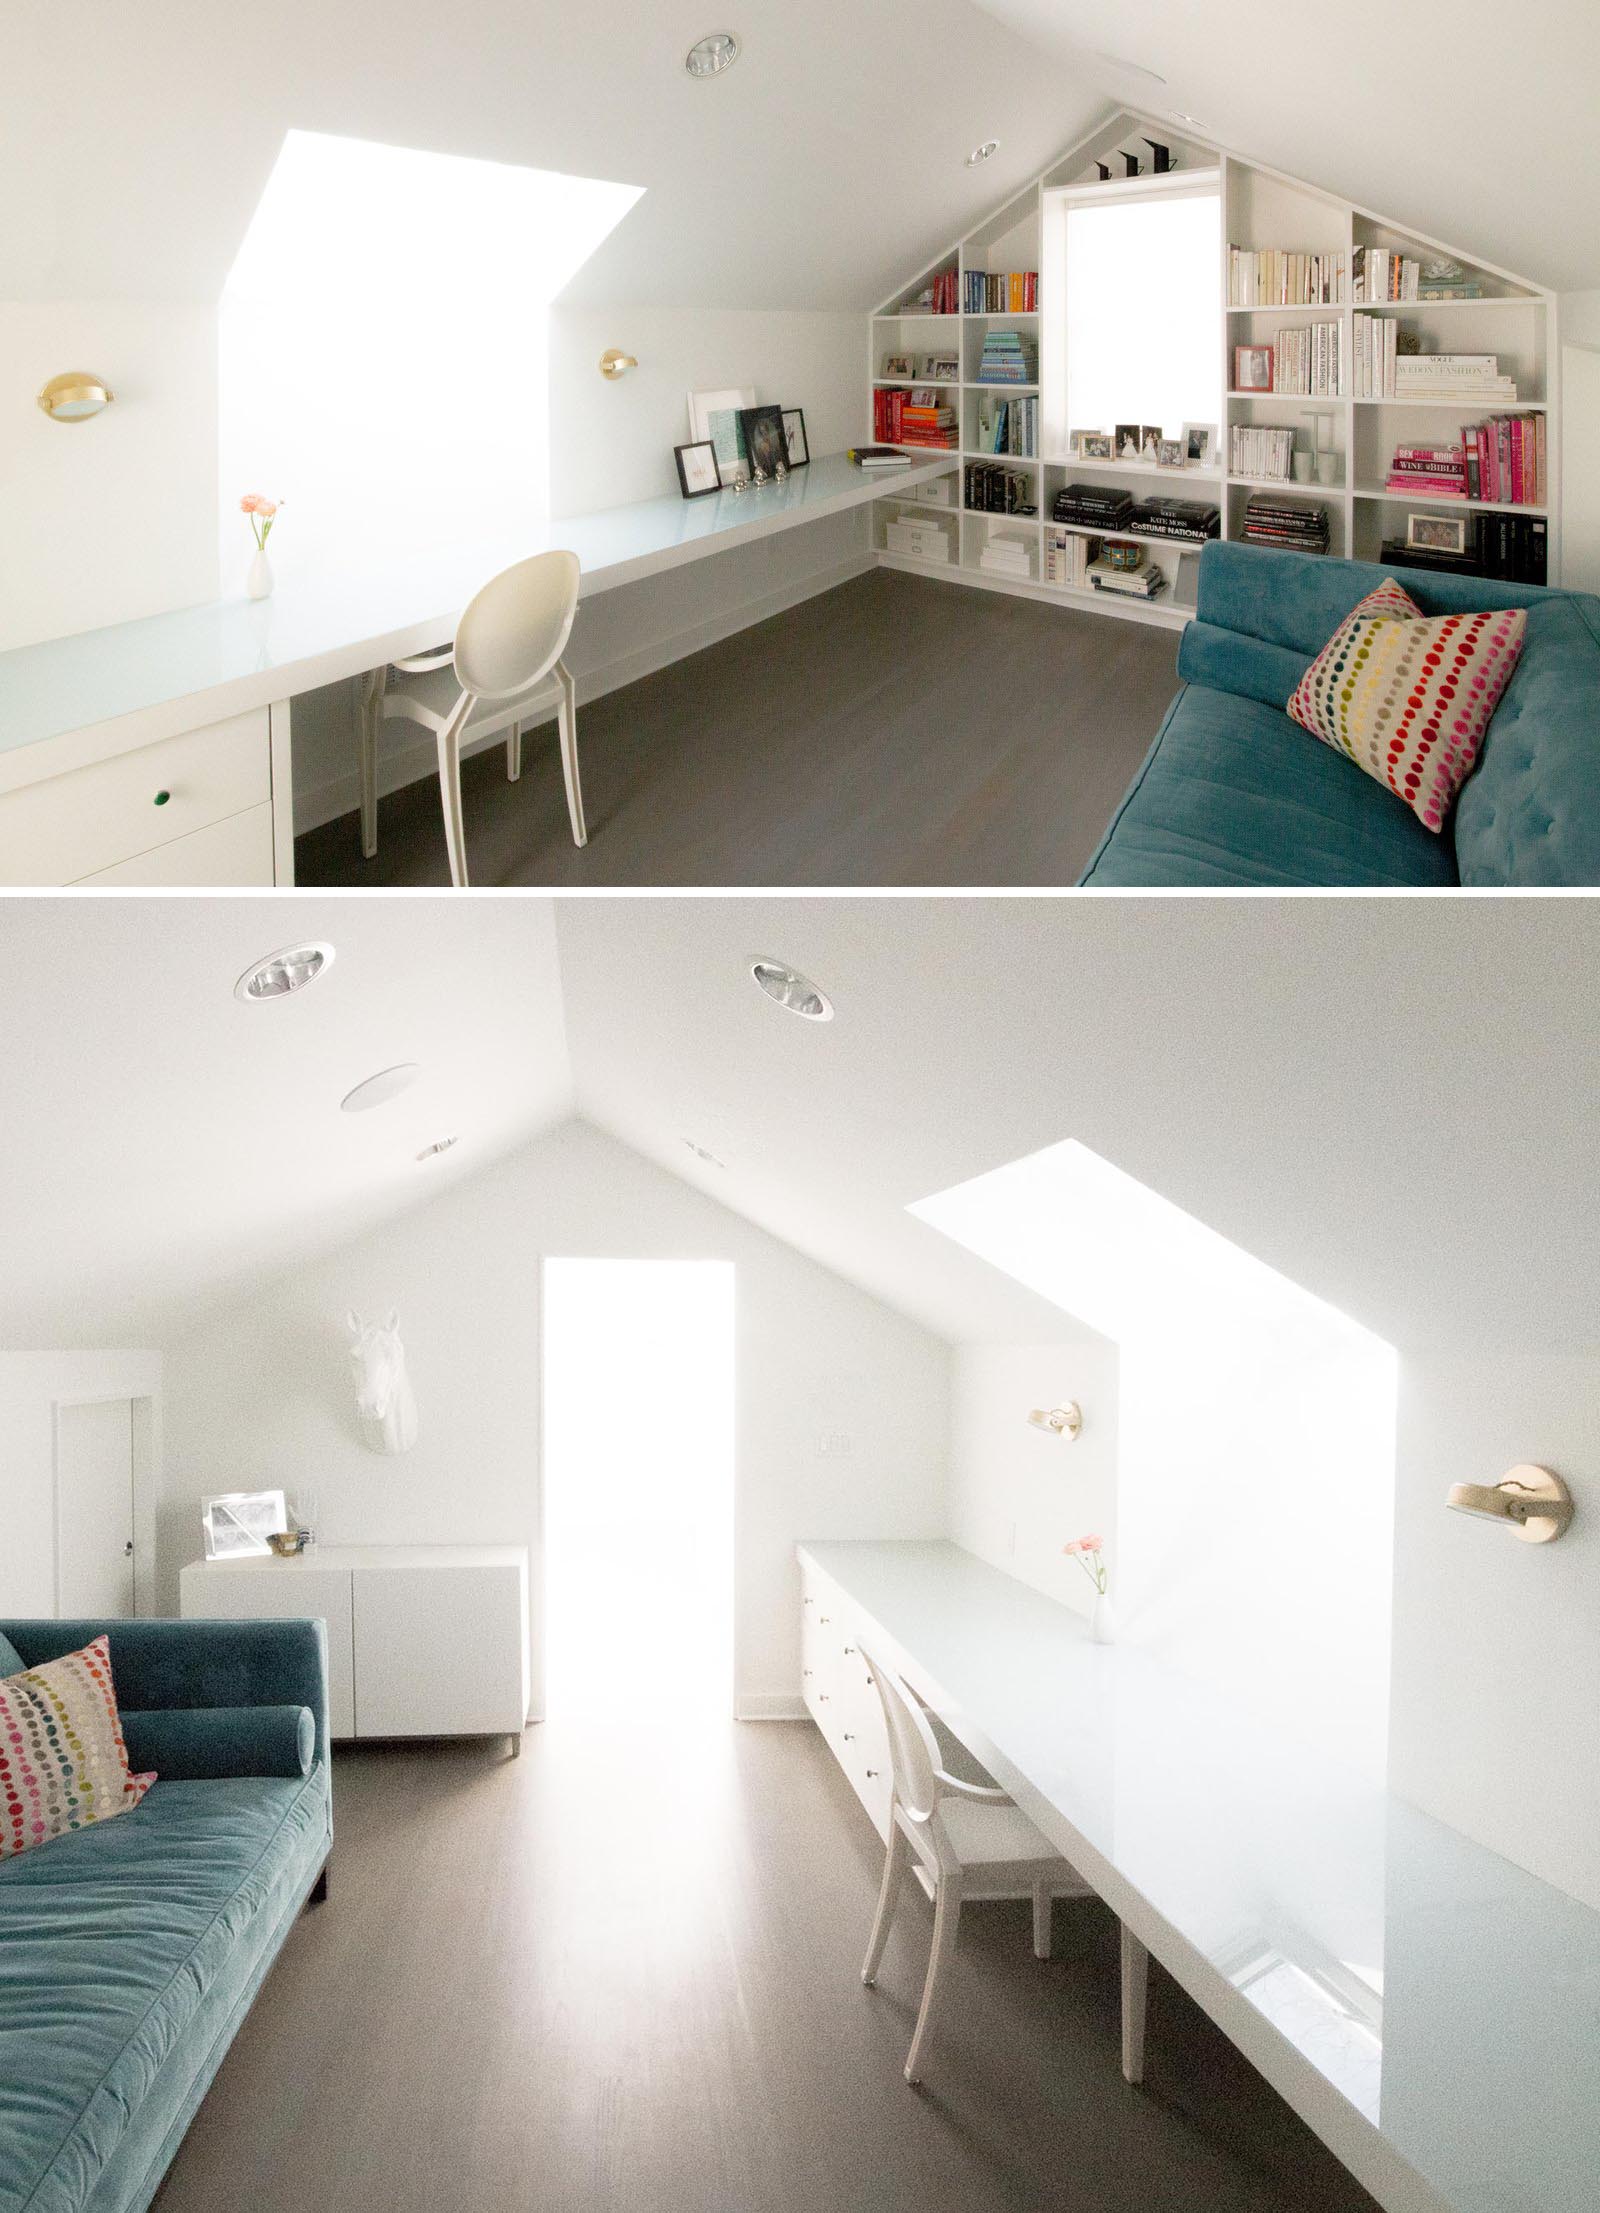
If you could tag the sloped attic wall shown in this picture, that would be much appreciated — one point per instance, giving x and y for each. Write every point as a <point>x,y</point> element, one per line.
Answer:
<point>260,1394</point>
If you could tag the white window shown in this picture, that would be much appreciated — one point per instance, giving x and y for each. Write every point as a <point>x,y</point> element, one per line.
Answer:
<point>1141,275</point>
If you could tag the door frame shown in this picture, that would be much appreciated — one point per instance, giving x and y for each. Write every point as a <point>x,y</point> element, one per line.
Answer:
<point>144,1424</point>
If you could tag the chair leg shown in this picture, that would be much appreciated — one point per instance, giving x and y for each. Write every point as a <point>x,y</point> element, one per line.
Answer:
<point>894,1875</point>
<point>567,718</point>
<point>946,1913</point>
<point>1135,1985</point>
<point>369,714</point>
<point>455,837</point>
<point>513,753</point>
<point>1041,1920</point>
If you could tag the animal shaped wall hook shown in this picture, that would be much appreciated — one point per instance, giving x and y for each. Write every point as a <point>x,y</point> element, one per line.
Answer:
<point>385,1408</point>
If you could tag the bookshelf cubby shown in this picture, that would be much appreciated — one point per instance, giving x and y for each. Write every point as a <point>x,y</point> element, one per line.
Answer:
<point>1262,210</point>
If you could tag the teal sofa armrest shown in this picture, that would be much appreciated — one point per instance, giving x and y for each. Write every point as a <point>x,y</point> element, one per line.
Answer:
<point>180,1665</point>
<point>205,1744</point>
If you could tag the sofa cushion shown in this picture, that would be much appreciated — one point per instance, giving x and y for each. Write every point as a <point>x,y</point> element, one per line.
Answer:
<point>127,1947</point>
<point>1233,792</point>
<point>201,1744</point>
<point>1408,697</point>
<point>11,1660</point>
<point>1530,812</point>
<point>63,1763</point>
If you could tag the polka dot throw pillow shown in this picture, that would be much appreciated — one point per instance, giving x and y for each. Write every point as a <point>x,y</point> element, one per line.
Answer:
<point>1409,696</point>
<point>63,1764</point>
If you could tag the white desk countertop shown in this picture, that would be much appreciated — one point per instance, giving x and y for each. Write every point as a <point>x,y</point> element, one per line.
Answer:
<point>231,655</point>
<point>1432,2011</point>
<point>340,1556</point>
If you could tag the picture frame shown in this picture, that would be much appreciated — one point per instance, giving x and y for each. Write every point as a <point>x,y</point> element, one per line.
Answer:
<point>898,365</point>
<point>698,473</point>
<point>714,415</point>
<point>762,432</point>
<point>1150,445</point>
<point>1200,445</point>
<point>1096,445</point>
<point>1437,533</point>
<point>1075,440</point>
<point>794,437</point>
<point>1172,453</point>
<point>237,1524</point>
<point>1129,443</point>
<point>1252,368</point>
<point>942,368</point>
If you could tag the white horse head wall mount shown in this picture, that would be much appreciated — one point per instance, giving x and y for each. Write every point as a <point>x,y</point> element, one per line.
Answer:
<point>385,1408</point>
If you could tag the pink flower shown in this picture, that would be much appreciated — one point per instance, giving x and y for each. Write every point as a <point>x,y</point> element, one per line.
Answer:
<point>1083,1544</point>
<point>251,504</point>
<point>266,506</point>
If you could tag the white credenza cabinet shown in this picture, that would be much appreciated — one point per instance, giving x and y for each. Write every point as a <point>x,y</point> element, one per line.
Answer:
<point>839,1693</point>
<point>423,1640</point>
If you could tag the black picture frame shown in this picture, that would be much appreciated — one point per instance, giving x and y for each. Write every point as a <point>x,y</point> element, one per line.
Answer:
<point>794,437</point>
<point>698,490</point>
<point>764,440</point>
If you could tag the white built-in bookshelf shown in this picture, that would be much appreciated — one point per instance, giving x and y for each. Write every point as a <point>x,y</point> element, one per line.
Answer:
<point>1261,210</point>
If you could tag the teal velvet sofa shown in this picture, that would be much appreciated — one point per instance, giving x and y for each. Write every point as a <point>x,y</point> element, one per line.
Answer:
<point>1233,793</point>
<point>131,1950</point>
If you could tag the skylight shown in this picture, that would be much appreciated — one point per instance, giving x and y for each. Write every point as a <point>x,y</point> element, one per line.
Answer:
<point>384,346</point>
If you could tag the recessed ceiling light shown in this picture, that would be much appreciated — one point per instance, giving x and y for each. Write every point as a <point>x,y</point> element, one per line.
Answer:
<point>276,975</point>
<point>1132,68</point>
<point>387,1084</point>
<point>792,990</point>
<point>980,154</point>
<point>1193,120</point>
<point>439,1145</point>
<point>711,55</point>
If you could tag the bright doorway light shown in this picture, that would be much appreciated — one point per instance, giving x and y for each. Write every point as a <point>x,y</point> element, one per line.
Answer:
<point>638,1487</point>
<point>383,350</point>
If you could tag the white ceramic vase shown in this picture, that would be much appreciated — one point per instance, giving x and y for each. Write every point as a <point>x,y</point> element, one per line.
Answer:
<point>258,584</point>
<point>1103,1621</point>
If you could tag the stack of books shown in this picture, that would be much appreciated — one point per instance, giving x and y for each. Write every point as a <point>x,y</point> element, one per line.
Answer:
<point>996,491</point>
<point>1381,276</point>
<point>888,412</point>
<point>1513,548</point>
<point>1008,358</point>
<point>1094,507</point>
<point>1308,363</point>
<point>941,297</point>
<point>1429,472</point>
<point>1451,376</point>
<point>917,540</point>
<point>1192,521</point>
<point>1006,554</point>
<point>1015,293</point>
<point>1277,277</point>
<point>1143,582</point>
<point>925,421</point>
<point>1279,519</point>
<point>1508,460</point>
<point>1261,450</point>
<point>1067,558</point>
<point>1012,426</point>
<point>877,457</point>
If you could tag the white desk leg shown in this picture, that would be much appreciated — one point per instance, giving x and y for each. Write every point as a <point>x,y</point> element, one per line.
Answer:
<point>1135,1984</point>
<point>282,793</point>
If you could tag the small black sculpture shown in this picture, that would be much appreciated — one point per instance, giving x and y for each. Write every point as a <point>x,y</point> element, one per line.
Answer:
<point>1163,156</point>
<point>1132,161</point>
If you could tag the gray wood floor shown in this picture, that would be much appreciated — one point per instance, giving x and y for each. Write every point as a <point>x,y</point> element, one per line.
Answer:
<point>895,731</point>
<point>622,1976</point>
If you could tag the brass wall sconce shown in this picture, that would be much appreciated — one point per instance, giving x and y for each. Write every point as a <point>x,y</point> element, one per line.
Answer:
<point>1535,1504</point>
<point>74,396</point>
<point>1059,1421</point>
<point>615,363</point>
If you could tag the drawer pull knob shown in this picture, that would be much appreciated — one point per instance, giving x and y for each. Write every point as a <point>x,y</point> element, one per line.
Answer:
<point>823,1620</point>
<point>822,1698</point>
<point>849,1650</point>
<point>162,797</point>
<point>848,1737</point>
<point>872,1774</point>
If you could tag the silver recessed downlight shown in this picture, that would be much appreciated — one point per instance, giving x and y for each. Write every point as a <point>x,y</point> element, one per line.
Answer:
<point>792,990</point>
<point>279,974</point>
<point>439,1145</point>
<point>981,154</point>
<point>711,55</point>
<point>376,1091</point>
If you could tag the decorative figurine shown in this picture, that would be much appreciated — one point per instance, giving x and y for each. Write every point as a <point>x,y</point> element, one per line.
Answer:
<point>1132,161</point>
<point>1163,156</point>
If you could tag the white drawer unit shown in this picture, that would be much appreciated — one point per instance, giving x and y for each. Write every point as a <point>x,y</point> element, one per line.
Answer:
<point>238,851</point>
<point>423,1640</point>
<point>840,1696</point>
<point>125,811</point>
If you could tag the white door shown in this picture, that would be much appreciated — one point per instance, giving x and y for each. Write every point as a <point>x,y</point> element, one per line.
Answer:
<point>94,1510</point>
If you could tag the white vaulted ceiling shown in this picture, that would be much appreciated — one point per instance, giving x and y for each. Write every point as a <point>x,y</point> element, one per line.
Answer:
<point>1391,1102</point>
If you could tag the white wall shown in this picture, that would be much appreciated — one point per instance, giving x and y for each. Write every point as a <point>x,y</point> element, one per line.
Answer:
<point>1496,1717</point>
<point>260,1394</point>
<point>1580,431</point>
<point>32,1384</point>
<point>113,518</point>
<point>1016,1494</point>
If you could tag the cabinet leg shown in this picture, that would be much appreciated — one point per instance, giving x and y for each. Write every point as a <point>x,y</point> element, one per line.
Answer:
<point>516,1744</point>
<point>318,1894</point>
